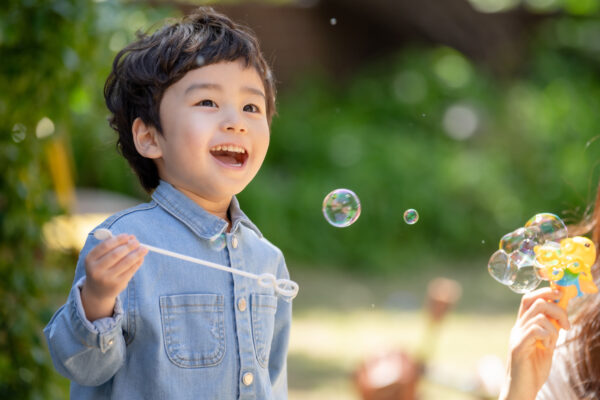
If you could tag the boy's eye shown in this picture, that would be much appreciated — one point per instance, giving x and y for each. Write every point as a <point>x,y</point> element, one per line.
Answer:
<point>206,103</point>
<point>251,108</point>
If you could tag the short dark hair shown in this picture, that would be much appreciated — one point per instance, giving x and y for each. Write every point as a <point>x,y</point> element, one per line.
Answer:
<point>144,69</point>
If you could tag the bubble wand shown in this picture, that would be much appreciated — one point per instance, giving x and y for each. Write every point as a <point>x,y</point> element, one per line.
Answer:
<point>284,287</point>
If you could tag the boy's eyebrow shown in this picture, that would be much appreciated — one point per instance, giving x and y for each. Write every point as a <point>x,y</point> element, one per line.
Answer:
<point>214,86</point>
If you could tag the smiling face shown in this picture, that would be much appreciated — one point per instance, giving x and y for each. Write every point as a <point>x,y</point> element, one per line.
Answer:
<point>215,131</point>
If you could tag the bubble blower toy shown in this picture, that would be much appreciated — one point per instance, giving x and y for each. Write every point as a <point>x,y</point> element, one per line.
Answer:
<point>540,251</point>
<point>286,288</point>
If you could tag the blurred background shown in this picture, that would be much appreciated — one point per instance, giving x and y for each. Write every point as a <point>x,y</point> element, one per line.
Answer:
<point>476,113</point>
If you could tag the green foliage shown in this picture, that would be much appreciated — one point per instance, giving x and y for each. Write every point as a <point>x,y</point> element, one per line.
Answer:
<point>428,130</point>
<point>54,60</point>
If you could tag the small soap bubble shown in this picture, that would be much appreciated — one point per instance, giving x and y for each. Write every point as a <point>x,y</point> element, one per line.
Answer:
<point>333,21</point>
<point>200,60</point>
<point>218,242</point>
<point>19,131</point>
<point>341,208</point>
<point>423,115</point>
<point>411,216</point>
<point>483,242</point>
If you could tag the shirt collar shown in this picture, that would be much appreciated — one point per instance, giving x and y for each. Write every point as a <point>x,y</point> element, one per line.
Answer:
<point>200,221</point>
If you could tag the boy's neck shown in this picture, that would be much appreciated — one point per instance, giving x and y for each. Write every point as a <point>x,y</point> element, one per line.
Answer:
<point>216,208</point>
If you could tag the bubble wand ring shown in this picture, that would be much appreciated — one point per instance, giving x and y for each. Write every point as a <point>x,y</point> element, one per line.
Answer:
<point>284,287</point>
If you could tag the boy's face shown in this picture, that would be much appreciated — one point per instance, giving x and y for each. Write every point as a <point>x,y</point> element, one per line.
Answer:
<point>215,129</point>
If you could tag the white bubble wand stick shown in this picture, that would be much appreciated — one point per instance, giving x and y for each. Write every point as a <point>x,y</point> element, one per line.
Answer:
<point>283,287</point>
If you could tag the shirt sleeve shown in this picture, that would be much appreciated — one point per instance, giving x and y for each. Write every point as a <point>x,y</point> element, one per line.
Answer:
<point>88,353</point>
<point>279,345</point>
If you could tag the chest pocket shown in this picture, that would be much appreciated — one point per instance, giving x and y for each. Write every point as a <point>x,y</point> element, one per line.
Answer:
<point>263,324</point>
<point>193,329</point>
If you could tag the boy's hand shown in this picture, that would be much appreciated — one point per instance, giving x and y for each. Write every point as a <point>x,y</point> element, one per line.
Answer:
<point>109,267</point>
<point>529,363</point>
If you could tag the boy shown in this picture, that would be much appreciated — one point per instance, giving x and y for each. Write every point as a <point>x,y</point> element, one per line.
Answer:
<point>192,104</point>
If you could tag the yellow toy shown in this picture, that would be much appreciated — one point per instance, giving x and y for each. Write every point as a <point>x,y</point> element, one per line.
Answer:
<point>567,267</point>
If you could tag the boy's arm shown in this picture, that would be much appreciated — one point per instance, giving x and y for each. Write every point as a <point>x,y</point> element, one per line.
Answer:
<point>88,353</point>
<point>279,345</point>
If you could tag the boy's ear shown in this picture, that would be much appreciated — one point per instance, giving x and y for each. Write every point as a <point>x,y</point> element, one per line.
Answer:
<point>145,138</point>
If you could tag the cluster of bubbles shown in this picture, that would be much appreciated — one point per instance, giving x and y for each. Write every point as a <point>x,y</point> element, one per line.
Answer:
<point>514,264</point>
<point>341,208</point>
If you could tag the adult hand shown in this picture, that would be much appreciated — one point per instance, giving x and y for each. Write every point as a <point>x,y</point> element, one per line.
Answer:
<point>532,342</point>
<point>109,267</point>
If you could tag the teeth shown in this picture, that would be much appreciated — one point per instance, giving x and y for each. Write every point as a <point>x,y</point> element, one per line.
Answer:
<point>230,148</point>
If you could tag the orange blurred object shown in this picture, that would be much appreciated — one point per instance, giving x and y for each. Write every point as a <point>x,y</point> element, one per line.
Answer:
<point>390,376</point>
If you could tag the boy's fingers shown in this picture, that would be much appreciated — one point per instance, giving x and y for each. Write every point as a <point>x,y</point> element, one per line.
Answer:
<point>547,293</point>
<point>128,261</point>
<point>549,310</point>
<point>107,245</point>
<point>114,256</point>
<point>128,273</point>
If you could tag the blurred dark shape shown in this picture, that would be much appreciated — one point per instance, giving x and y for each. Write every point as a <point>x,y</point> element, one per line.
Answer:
<point>298,37</point>
<point>394,375</point>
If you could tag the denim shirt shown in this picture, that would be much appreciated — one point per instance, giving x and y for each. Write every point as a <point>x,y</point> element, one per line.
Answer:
<point>180,330</point>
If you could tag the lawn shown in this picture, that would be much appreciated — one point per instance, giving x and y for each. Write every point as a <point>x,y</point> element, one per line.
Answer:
<point>340,319</point>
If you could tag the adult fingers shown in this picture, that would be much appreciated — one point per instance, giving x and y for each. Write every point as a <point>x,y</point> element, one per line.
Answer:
<point>541,329</point>
<point>548,309</point>
<point>547,294</point>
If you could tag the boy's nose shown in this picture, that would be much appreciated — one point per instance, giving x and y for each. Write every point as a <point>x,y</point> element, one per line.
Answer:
<point>233,124</point>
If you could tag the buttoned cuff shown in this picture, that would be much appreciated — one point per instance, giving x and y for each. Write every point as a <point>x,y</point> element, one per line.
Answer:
<point>100,333</point>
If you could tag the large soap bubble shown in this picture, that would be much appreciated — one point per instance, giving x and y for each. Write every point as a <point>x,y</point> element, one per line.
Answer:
<point>550,227</point>
<point>514,264</point>
<point>502,268</point>
<point>341,208</point>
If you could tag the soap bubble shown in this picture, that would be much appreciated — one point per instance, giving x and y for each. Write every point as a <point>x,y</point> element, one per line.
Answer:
<point>411,216</point>
<point>502,268</point>
<point>19,132</point>
<point>526,280</point>
<point>551,227</point>
<point>341,208</point>
<point>333,21</point>
<point>218,242</point>
<point>513,241</point>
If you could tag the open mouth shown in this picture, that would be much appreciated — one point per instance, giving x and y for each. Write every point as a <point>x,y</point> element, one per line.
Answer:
<point>232,155</point>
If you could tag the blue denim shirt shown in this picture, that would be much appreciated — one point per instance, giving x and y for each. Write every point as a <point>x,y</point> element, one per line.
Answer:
<point>180,330</point>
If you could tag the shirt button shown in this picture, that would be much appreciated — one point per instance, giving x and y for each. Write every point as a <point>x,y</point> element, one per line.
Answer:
<point>248,378</point>
<point>234,242</point>
<point>242,304</point>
